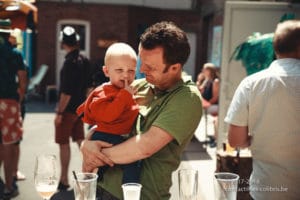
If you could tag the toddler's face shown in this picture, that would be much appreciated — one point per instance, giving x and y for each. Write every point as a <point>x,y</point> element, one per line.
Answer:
<point>119,69</point>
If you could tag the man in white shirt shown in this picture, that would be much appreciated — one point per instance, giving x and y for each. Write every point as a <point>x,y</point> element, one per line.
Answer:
<point>265,115</point>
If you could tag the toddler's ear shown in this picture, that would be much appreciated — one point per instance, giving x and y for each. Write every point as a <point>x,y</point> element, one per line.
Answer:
<point>105,70</point>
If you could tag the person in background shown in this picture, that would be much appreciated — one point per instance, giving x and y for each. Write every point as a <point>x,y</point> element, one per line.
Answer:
<point>97,75</point>
<point>12,90</point>
<point>210,92</point>
<point>18,176</point>
<point>200,80</point>
<point>166,123</point>
<point>74,80</point>
<point>111,106</point>
<point>264,115</point>
<point>210,88</point>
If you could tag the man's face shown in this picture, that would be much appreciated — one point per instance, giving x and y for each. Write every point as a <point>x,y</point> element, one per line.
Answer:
<point>120,69</point>
<point>12,40</point>
<point>153,66</point>
<point>63,47</point>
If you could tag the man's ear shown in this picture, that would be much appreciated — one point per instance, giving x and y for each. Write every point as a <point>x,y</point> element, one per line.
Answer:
<point>105,70</point>
<point>176,68</point>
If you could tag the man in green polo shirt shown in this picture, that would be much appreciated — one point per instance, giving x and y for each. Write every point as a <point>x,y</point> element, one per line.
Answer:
<point>170,111</point>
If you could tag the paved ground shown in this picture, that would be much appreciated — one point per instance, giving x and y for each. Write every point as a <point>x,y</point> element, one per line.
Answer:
<point>39,139</point>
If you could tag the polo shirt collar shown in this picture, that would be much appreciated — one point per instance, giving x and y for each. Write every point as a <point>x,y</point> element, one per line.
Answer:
<point>184,79</point>
<point>286,66</point>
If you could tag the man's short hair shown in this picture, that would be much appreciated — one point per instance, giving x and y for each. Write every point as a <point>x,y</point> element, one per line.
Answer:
<point>287,37</point>
<point>172,39</point>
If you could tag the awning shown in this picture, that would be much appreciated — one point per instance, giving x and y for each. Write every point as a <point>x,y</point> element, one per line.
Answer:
<point>23,16</point>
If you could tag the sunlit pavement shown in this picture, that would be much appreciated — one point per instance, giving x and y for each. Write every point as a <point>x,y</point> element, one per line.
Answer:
<point>39,139</point>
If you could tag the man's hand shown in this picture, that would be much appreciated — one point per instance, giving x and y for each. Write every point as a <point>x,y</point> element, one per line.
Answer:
<point>58,120</point>
<point>92,155</point>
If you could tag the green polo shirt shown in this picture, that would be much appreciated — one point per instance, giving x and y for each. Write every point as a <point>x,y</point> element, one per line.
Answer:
<point>178,112</point>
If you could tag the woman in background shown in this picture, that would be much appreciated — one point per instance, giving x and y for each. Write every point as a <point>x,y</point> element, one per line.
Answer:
<point>209,89</point>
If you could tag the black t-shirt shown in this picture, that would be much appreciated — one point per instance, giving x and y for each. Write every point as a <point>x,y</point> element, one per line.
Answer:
<point>74,79</point>
<point>11,61</point>
<point>98,76</point>
<point>208,90</point>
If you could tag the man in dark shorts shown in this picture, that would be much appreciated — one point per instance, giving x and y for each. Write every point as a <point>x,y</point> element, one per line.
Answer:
<point>73,87</point>
<point>12,90</point>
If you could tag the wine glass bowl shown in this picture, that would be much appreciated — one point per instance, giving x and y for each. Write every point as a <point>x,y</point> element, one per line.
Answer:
<point>45,175</point>
<point>188,184</point>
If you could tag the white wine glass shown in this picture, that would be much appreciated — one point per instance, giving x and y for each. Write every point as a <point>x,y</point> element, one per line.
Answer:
<point>188,184</point>
<point>45,175</point>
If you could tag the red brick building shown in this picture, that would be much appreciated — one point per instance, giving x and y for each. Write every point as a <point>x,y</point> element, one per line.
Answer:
<point>111,22</point>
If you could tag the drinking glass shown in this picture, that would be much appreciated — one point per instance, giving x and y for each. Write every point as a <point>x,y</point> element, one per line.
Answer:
<point>131,191</point>
<point>188,184</point>
<point>226,185</point>
<point>85,186</point>
<point>45,175</point>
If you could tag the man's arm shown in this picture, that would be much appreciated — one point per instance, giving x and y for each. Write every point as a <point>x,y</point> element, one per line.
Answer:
<point>238,136</point>
<point>22,77</point>
<point>135,148</point>
<point>63,102</point>
<point>215,92</point>
<point>139,147</point>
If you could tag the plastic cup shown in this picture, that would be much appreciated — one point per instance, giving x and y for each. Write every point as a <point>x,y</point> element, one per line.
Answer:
<point>226,185</point>
<point>188,184</point>
<point>131,191</point>
<point>85,186</point>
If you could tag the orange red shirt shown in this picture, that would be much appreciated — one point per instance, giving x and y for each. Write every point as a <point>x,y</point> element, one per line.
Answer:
<point>112,109</point>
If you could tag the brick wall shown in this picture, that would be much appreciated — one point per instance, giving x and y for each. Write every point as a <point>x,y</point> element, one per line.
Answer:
<point>125,23</point>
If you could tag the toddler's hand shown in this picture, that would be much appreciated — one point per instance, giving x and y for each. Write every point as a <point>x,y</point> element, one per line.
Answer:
<point>129,88</point>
